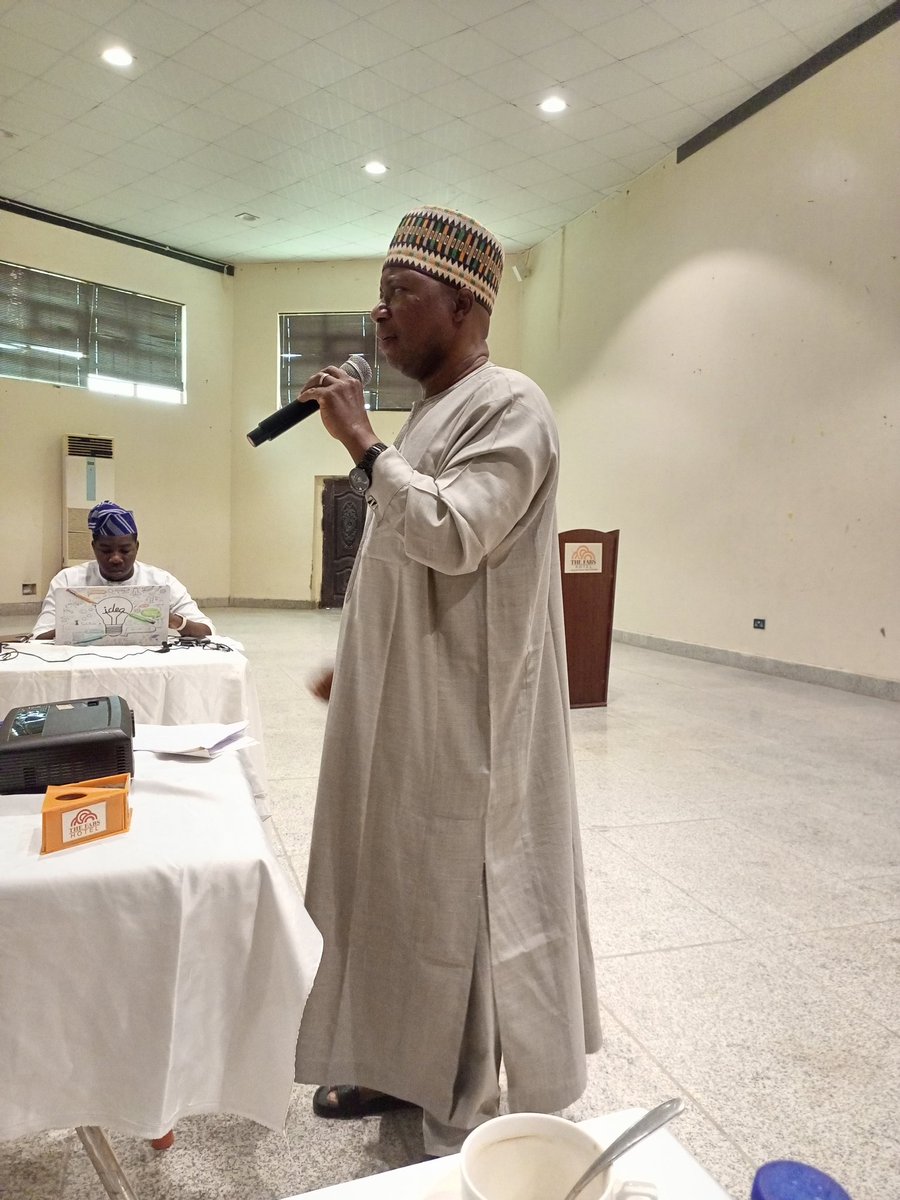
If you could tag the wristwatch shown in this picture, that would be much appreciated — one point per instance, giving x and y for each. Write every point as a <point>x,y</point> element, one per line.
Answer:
<point>361,475</point>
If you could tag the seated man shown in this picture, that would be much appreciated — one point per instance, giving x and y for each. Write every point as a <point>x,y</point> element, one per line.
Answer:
<point>115,545</point>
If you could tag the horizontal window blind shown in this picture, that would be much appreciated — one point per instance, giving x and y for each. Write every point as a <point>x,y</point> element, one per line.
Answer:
<point>69,331</point>
<point>44,327</point>
<point>136,338</point>
<point>310,341</point>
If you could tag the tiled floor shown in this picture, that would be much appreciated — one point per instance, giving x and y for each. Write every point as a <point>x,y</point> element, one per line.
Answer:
<point>742,845</point>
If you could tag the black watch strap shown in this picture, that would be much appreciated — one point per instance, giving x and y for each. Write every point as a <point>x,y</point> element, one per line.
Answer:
<point>361,475</point>
<point>368,459</point>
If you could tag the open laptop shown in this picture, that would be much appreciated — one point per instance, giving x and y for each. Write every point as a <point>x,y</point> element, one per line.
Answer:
<point>112,615</point>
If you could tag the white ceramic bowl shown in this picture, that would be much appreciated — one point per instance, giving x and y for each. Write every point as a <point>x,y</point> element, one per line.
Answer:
<point>529,1156</point>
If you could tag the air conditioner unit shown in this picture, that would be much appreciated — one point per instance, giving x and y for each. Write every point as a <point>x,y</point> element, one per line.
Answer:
<point>88,478</point>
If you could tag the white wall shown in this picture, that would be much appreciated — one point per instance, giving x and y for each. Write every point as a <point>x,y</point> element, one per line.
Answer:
<point>172,462</point>
<point>722,346</point>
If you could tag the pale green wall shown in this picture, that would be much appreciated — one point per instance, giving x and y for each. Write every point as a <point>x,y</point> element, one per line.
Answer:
<point>722,345</point>
<point>276,521</point>
<point>172,462</point>
<point>228,520</point>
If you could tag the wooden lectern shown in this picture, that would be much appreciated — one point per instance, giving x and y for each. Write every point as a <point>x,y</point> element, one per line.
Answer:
<point>587,559</point>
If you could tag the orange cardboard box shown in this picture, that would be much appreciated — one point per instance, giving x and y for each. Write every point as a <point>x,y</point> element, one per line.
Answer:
<point>82,812</point>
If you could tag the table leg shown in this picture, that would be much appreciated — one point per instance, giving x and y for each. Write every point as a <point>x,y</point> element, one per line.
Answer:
<point>107,1166</point>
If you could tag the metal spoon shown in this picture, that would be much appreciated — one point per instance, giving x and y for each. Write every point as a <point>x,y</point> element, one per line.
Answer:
<point>648,1123</point>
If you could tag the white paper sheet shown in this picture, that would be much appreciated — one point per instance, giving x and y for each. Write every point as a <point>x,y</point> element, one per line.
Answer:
<point>198,741</point>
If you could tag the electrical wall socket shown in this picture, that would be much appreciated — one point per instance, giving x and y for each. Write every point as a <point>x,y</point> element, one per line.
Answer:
<point>29,589</point>
<point>759,622</point>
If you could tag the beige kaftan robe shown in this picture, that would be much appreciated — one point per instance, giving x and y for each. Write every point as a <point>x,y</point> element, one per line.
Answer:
<point>447,762</point>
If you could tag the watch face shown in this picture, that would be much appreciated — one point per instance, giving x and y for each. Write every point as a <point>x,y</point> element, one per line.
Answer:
<point>359,480</point>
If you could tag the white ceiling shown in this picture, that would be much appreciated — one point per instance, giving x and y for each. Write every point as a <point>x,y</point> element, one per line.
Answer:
<point>273,106</point>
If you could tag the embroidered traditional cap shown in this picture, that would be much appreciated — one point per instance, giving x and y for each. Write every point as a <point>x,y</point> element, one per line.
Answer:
<point>450,247</point>
<point>109,519</point>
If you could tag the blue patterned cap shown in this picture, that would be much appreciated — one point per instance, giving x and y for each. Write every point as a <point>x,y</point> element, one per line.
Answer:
<point>109,519</point>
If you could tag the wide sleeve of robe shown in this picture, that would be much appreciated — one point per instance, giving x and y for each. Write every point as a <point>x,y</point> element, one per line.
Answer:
<point>487,463</point>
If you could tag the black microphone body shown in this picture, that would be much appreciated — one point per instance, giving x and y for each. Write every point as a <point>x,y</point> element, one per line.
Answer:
<point>292,414</point>
<point>283,418</point>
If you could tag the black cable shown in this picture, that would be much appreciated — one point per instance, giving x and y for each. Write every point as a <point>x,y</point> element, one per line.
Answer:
<point>199,644</point>
<point>8,651</point>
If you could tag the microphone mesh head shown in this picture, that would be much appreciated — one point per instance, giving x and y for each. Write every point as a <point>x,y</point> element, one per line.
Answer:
<point>357,365</point>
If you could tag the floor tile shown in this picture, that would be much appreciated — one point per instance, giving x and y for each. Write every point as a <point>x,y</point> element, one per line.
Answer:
<point>634,909</point>
<point>344,1150</point>
<point>750,879</point>
<point>35,1167</point>
<point>215,1156</point>
<point>850,839</point>
<point>776,1060</point>
<point>627,1075</point>
<point>860,964</point>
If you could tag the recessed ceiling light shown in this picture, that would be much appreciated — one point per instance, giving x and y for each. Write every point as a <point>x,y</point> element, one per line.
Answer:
<point>117,56</point>
<point>245,216</point>
<point>553,104</point>
<point>375,168</point>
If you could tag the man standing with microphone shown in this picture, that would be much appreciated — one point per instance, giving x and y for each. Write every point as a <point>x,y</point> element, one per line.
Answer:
<point>445,869</point>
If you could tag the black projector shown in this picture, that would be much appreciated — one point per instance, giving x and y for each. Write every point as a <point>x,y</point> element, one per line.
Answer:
<point>65,741</point>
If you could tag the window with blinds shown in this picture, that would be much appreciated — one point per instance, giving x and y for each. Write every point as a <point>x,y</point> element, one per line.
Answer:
<point>79,334</point>
<point>310,341</point>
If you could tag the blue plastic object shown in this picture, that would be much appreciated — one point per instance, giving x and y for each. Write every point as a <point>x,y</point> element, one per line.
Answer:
<point>785,1180</point>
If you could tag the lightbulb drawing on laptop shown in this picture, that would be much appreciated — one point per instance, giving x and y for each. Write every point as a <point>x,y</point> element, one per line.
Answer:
<point>113,613</point>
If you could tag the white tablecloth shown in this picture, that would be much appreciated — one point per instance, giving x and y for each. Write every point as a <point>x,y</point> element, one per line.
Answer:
<point>660,1160</point>
<point>153,974</point>
<point>185,685</point>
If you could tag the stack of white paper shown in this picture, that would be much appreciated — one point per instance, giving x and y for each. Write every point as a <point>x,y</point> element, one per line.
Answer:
<point>196,741</point>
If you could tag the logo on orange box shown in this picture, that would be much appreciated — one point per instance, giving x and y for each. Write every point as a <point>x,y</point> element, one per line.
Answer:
<point>84,822</point>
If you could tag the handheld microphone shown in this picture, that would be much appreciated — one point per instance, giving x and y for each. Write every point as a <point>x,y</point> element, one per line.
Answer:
<point>292,414</point>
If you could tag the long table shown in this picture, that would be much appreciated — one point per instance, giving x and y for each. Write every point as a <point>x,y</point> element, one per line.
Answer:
<point>154,974</point>
<point>185,685</point>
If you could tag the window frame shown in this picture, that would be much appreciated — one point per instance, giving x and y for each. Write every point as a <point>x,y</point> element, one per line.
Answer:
<point>340,335</point>
<point>93,336</point>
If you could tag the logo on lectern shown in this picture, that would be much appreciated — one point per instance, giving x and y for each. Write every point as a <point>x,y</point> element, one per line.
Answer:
<point>584,557</point>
